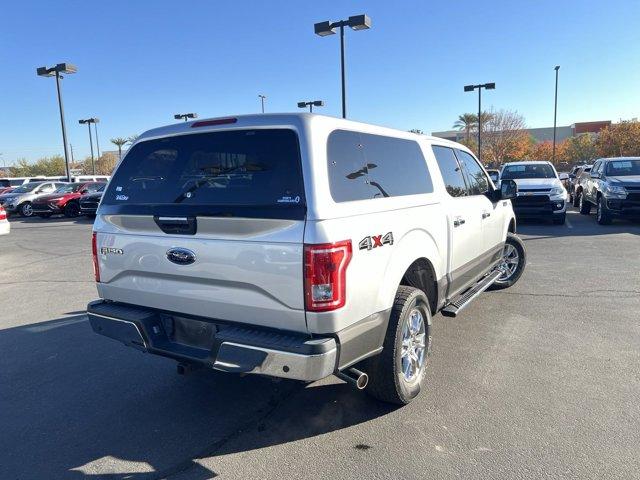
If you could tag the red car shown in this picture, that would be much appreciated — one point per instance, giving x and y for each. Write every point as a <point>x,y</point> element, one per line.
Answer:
<point>65,200</point>
<point>5,189</point>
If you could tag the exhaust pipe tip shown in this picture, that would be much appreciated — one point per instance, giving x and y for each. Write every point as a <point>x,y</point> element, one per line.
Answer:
<point>355,377</point>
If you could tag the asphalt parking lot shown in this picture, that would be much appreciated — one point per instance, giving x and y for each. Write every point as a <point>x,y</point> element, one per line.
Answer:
<point>538,381</point>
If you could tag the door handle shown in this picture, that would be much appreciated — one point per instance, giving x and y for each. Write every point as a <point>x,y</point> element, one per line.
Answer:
<point>485,215</point>
<point>458,221</point>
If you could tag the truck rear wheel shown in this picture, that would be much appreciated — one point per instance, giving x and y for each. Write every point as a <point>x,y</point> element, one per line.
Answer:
<point>397,374</point>
<point>514,259</point>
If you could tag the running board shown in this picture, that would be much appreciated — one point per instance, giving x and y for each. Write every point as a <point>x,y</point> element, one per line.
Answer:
<point>461,301</point>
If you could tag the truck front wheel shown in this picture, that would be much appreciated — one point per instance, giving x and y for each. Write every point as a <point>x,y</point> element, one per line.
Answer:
<point>397,374</point>
<point>514,259</point>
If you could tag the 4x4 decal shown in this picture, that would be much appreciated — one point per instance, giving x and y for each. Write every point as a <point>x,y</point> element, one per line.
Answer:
<point>374,241</point>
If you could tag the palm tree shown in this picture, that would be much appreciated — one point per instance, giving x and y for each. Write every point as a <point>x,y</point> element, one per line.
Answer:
<point>466,122</point>
<point>119,142</point>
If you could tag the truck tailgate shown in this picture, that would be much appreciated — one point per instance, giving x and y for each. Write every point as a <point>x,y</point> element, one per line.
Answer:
<point>245,270</point>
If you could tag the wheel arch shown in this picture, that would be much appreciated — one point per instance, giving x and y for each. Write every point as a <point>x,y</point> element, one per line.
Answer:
<point>418,262</point>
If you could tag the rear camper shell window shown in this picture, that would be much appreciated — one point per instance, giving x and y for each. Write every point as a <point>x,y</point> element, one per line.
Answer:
<point>254,173</point>
<point>363,166</point>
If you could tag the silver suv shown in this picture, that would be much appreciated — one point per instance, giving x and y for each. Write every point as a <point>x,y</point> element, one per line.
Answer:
<point>20,199</point>
<point>298,246</point>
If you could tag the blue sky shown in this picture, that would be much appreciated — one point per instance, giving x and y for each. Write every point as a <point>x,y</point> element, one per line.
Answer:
<point>139,62</point>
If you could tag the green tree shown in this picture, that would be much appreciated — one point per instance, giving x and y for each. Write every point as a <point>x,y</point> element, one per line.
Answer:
<point>45,166</point>
<point>466,122</point>
<point>119,142</point>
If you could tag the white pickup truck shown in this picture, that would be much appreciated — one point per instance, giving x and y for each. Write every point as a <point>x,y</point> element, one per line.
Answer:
<point>297,246</point>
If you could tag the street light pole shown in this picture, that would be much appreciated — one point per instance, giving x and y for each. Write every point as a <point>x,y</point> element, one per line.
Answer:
<point>95,126</point>
<point>262,98</point>
<point>93,161</point>
<point>66,68</point>
<point>479,87</point>
<point>89,121</point>
<point>357,22</point>
<point>344,86</point>
<point>555,112</point>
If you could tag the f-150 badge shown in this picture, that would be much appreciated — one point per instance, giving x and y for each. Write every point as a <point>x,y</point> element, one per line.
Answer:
<point>375,241</point>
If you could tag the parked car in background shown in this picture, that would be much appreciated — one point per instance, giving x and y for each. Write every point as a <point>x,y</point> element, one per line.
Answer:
<point>494,175</point>
<point>5,226</point>
<point>564,179</point>
<point>574,178</point>
<point>65,200</point>
<point>298,246</point>
<point>5,185</point>
<point>20,200</point>
<point>613,187</point>
<point>540,192</point>
<point>90,201</point>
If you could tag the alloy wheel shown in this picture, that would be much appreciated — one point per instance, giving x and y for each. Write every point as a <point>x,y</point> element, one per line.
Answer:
<point>510,261</point>
<point>414,345</point>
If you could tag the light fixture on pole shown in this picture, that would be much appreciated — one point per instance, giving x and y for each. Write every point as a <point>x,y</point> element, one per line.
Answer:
<point>262,99</point>
<point>555,112</point>
<point>88,122</point>
<point>311,104</point>
<point>471,88</point>
<point>185,116</point>
<point>56,71</point>
<point>356,22</point>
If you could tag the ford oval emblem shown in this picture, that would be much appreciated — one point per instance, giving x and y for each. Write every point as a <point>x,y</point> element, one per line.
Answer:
<point>181,256</point>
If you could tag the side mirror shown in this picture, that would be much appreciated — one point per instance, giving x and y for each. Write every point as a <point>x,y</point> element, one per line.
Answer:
<point>594,175</point>
<point>83,191</point>
<point>508,189</point>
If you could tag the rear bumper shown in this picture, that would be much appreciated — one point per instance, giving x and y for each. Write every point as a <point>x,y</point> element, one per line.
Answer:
<point>219,346</point>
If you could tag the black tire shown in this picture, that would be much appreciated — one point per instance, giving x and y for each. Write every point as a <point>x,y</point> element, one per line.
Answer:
<point>576,200</point>
<point>387,381</point>
<point>603,217</point>
<point>26,210</point>
<point>584,205</point>
<point>507,281</point>
<point>44,215</point>
<point>72,210</point>
<point>560,219</point>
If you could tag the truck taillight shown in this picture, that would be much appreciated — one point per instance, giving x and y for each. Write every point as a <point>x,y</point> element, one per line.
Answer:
<point>94,248</point>
<point>325,275</point>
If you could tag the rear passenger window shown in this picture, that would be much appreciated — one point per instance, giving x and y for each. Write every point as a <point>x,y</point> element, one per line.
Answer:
<point>363,166</point>
<point>450,170</point>
<point>348,176</point>
<point>478,183</point>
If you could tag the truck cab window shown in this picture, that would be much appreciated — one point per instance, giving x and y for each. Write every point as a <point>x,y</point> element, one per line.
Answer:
<point>451,171</point>
<point>477,179</point>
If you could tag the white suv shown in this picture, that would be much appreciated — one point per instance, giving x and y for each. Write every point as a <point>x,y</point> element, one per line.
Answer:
<point>297,246</point>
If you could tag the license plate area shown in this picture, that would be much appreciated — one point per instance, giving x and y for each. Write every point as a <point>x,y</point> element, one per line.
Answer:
<point>189,332</point>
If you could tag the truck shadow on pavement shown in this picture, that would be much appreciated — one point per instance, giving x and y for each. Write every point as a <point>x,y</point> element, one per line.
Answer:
<point>76,405</point>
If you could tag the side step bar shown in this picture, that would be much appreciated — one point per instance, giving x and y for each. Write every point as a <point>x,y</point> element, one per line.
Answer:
<point>461,301</point>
